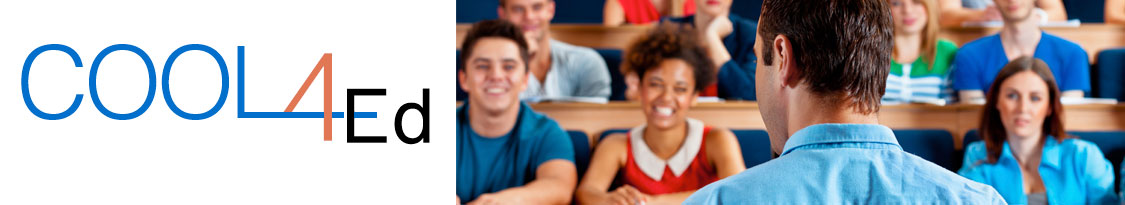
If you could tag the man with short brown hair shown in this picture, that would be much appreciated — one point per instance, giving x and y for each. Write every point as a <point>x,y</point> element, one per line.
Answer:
<point>822,71</point>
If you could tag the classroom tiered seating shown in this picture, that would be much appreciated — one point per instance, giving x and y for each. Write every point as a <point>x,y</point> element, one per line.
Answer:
<point>613,59</point>
<point>933,145</point>
<point>582,150</point>
<point>1088,11</point>
<point>1109,74</point>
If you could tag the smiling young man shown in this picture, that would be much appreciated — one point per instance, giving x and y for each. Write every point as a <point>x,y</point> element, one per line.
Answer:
<point>506,153</point>
<point>978,62</point>
<point>821,74</point>
<point>556,69</point>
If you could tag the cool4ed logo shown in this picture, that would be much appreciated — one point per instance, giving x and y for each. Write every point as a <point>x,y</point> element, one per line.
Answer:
<point>323,66</point>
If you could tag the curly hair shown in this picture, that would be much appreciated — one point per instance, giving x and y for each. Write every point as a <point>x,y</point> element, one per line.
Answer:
<point>665,42</point>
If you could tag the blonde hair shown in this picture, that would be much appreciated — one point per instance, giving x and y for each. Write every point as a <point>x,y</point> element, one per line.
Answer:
<point>929,33</point>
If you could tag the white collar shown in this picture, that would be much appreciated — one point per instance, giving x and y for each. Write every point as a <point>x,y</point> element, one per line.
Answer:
<point>652,165</point>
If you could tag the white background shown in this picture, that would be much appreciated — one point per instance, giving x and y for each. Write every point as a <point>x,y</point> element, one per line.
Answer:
<point>160,158</point>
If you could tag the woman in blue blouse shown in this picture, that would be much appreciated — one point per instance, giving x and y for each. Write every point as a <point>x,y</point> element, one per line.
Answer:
<point>1026,154</point>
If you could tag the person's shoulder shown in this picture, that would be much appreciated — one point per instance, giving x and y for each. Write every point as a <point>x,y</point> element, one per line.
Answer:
<point>946,45</point>
<point>980,44</point>
<point>1080,146</point>
<point>766,174</point>
<point>975,147</point>
<point>573,51</point>
<point>614,141</point>
<point>720,135</point>
<point>1060,44</point>
<point>531,120</point>
<point>749,184</point>
<point>976,151</point>
<point>948,185</point>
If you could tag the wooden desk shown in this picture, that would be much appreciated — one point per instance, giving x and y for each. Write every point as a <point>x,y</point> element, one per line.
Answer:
<point>1092,37</point>
<point>957,119</point>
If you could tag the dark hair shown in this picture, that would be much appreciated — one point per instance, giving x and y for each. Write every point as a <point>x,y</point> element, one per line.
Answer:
<point>665,42</point>
<point>992,129</point>
<point>842,48</point>
<point>492,28</point>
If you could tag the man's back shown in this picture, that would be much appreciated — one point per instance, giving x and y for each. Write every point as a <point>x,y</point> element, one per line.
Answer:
<point>843,164</point>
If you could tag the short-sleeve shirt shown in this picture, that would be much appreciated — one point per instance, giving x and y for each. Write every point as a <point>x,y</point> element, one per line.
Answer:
<point>492,164</point>
<point>977,63</point>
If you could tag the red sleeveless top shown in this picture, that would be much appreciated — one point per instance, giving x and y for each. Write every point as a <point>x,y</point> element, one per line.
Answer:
<point>698,174</point>
<point>710,91</point>
<point>643,12</point>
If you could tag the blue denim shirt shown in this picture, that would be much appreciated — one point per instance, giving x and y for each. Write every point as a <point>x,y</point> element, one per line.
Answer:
<point>1073,171</point>
<point>846,164</point>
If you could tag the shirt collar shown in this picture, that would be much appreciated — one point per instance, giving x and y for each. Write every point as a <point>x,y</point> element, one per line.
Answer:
<point>1050,158</point>
<point>840,133</point>
<point>652,165</point>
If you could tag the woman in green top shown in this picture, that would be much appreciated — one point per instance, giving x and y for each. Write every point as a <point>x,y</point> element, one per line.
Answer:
<point>921,64</point>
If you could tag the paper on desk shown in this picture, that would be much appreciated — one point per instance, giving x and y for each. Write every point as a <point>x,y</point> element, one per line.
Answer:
<point>996,24</point>
<point>596,100</point>
<point>709,99</point>
<point>1085,101</point>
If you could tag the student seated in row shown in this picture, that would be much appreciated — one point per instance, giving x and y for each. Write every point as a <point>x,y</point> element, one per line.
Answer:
<point>978,62</point>
<point>556,69</point>
<point>1025,153</point>
<point>956,12</point>
<point>506,153</point>
<point>821,75</point>
<point>619,12</point>
<point>920,62</point>
<point>729,42</point>
<point>670,156</point>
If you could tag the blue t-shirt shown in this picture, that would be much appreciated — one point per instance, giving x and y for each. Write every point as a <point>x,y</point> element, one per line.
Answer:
<point>487,165</point>
<point>845,164</point>
<point>977,63</point>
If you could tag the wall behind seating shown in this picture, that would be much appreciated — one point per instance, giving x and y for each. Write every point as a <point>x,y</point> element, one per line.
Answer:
<point>749,9</point>
<point>579,11</point>
<point>566,11</point>
<point>1088,11</point>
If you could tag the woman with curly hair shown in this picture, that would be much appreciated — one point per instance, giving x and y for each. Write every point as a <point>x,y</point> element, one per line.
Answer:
<point>666,159</point>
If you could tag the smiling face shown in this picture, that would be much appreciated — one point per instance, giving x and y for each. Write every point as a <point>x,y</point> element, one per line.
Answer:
<point>910,16</point>
<point>1015,10</point>
<point>667,92</point>
<point>1024,102</point>
<point>532,16</point>
<point>495,74</point>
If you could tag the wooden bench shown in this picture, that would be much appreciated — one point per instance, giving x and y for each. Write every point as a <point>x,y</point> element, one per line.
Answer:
<point>957,119</point>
